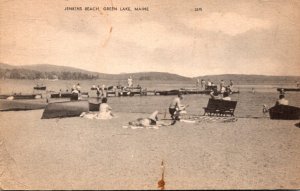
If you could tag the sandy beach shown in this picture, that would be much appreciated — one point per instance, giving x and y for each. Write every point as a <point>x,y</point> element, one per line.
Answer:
<point>235,61</point>
<point>78,153</point>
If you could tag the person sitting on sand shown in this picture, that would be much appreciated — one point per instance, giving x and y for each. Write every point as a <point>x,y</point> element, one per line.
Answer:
<point>226,96</point>
<point>152,120</point>
<point>105,110</point>
<point>175,108</point>
<point>282,100</point>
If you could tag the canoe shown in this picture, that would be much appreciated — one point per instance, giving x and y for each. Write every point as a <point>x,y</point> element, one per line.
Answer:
<point>61,95</point>
<point>65,109</point>
<point>27,96</point>
<point>20,105</point>
<point>286,112</point>
<point>94,106</point>
<point>171,92</point>
<point>288,89</point>
<point>21,96</point>
<point>68,95</point>
<point>39,87</point>
<point>4,96</point>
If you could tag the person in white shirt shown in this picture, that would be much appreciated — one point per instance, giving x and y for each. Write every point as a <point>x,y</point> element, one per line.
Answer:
<point>130,81</point>
<point>282,100</point>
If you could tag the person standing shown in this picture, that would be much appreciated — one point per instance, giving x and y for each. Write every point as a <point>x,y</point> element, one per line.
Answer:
<point>202,84</point>
<point>198,83</point>
<point>78,88</point>
<point>130,81</point>
<point>103,91</point>
<point>98,89</point>
<point>208,83</point>
<point>221,85</point>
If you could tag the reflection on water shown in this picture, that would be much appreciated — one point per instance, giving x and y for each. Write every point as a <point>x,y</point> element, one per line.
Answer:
<point>249,104</point>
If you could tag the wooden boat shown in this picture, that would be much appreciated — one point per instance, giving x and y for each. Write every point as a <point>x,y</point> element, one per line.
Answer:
<point>94,106</point>
<point>170,92</point>
<point>128,91</point>
<point>21,96</point>
<point>65,109</point>
<point>67,95</point>
<point>61,95</point>
<point>284,112</point>
<point>85,94</point>
<point>39,87</point>
<point>4,96</point>
<point>19,105</point>
<point>27,96</point>
<point>288,89</point>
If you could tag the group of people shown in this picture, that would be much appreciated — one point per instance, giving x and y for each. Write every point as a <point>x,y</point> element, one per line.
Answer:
<point>176,110</point>
<point>214,94</point>
<point>101,91</point>
<point>76,89</point>
<point>209,85</point>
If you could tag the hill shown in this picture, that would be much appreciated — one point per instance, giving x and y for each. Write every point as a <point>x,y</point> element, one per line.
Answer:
<point>250,79</point>
<point>38,71</point>
<point>65,72</point>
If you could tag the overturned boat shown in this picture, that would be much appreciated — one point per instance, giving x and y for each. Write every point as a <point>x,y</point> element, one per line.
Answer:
<point>21,105</point>
<point>288,89</point>
<point>65,109</point>
<point>285,112</point>
<point>21,96</point>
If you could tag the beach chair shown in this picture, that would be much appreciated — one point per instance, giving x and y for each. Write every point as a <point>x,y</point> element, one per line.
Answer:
<point>220,107</point>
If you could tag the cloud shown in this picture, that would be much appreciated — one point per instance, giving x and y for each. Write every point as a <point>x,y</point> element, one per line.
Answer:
<point>229,23</point>
<point>150,35</point>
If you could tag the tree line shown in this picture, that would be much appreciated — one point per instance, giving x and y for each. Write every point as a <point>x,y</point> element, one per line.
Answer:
<point>33,74</point>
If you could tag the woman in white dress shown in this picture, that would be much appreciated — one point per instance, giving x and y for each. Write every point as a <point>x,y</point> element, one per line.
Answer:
<point>104,110</point>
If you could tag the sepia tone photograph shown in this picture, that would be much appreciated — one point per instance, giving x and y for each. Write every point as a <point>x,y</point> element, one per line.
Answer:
<point>149,94</point>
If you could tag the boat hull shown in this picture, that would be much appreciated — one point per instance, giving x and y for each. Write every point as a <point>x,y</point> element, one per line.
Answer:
<point>285,112</point>
<point>288,89</point>
<point>94,106</point>
<point>21,105</point>
<point>65,109</point>
<point>29,96</point>
<point>39,88</point>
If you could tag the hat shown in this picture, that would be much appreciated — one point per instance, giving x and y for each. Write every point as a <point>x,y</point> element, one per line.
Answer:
<point>153,116</point>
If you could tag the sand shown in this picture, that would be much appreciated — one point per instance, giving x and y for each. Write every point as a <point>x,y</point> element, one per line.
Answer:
<point>77,153</point>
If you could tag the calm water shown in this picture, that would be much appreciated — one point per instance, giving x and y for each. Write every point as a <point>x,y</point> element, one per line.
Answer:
<point>249,104</point>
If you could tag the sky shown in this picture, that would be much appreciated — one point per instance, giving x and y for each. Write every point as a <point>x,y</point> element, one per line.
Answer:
<point>224,37</point>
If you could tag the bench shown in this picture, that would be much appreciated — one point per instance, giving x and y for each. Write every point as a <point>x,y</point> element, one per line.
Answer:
<point>220,107</point>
